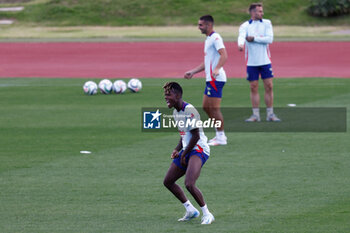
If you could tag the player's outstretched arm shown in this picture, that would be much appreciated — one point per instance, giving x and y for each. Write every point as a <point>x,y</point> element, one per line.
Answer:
<point>175,153</point>
<point>193,142</point>
<point>189,74</point>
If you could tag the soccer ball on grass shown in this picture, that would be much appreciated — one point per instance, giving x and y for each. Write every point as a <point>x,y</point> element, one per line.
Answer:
<point>105,86</point>
<point>90,88</point>
<point>119,86</point>
<point>135,85</point>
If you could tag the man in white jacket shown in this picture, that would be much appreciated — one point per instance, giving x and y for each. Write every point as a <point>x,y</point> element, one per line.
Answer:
<point>255,35</point>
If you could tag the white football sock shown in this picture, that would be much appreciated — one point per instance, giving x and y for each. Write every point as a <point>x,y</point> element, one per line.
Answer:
<point>188,205</point>
<point>205,210</point>
<point>269,111</point>
<point>256,112</point>
<point>220,134</point>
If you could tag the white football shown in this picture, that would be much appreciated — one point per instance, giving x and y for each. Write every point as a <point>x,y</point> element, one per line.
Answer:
<point>105,86</point>
<point>119,86</point>
<point>90,88</point>
<point>135,85</point>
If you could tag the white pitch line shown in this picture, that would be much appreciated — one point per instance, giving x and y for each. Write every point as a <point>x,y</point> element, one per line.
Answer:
<point>85,152</point>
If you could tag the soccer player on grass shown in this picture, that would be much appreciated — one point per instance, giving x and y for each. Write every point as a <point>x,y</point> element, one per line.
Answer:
<point>215,56</point>
<point>256,34</point>
<point>189,155</point>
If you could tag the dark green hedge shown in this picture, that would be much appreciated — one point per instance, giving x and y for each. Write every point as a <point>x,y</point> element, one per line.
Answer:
<point>328,8</point>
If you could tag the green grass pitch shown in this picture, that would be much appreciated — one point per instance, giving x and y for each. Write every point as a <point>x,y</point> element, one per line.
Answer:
<point>250,185</point>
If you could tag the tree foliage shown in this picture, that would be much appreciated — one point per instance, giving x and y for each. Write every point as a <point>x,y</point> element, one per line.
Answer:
<point>329,8</point>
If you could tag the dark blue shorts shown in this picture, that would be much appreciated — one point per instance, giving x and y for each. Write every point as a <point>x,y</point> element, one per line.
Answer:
<point>214,89</point>
<point>253,72</point>
<point>204,157</point>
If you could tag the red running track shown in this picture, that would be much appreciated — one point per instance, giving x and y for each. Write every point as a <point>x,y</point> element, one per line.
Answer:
<point>163,59</point>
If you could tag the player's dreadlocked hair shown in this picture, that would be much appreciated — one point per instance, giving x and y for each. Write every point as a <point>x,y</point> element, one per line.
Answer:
<point>172,86</point>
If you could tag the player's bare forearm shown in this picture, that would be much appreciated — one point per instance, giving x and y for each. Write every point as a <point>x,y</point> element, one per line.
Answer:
<point>189,74</point>
<point>193,141</point>
<point>179,145</point>
<point>198,69</point>
<point>222,61</point>
<point>175,152</point>
<point>223,58</point>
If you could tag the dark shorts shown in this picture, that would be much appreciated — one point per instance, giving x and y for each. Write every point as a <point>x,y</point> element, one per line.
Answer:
<point>214,89</point>
<point>253,72</point>
<point>203,156</point>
